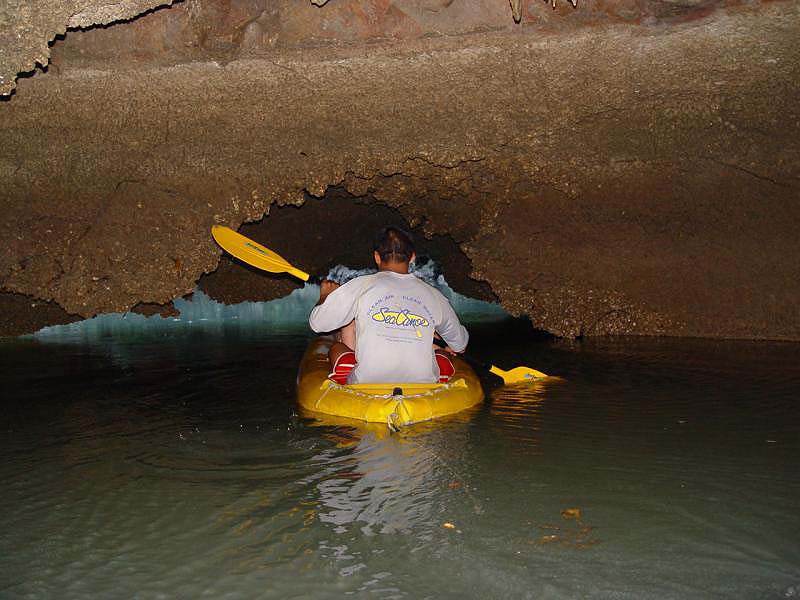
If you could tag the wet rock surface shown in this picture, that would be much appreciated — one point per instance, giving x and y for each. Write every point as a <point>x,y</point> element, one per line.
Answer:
<point>639,177</point>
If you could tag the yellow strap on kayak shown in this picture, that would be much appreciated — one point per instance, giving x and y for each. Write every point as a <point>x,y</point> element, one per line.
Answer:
<point>386,389</point>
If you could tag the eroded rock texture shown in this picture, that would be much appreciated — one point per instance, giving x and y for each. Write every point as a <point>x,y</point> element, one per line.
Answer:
<point>611,168</point>
<point>29,26</point>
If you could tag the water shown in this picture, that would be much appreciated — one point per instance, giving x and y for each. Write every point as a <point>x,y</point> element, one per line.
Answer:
<point>293,309</point>
<point>170,462</point>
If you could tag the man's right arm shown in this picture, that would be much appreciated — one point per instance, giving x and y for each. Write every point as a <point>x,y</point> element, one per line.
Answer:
<point>335,309</point>
<point>325,289</point>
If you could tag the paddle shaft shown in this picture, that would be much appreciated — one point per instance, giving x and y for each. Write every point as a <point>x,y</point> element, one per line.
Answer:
<point>513,376</point>
<point>261,257</point>
<point>467,358</point>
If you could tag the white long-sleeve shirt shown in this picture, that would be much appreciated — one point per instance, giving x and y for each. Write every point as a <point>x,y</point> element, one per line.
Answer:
<point>396,315</point>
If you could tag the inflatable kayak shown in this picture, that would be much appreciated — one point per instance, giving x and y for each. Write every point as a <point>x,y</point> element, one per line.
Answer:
<point>396,404</point>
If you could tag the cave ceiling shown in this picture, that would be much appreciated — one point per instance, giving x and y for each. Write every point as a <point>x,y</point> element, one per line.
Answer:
<point>604,167</point>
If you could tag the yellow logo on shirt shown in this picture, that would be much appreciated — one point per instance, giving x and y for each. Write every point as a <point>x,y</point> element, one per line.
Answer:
<point>403,318</point>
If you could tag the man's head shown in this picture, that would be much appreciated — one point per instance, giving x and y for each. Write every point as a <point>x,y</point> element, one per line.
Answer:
<point>394,249</point>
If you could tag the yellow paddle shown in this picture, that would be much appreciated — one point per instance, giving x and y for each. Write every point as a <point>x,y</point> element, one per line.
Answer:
<point>515,375</point>
<point>254,253</point>
<point>265,259</point>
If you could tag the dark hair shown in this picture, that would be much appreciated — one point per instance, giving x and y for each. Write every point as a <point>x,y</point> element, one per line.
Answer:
<point>394,245</point>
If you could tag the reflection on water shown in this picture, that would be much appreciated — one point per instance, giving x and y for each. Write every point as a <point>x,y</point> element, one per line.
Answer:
<point>391,482</point>
<point>176,466</point>
<point>517,409</point>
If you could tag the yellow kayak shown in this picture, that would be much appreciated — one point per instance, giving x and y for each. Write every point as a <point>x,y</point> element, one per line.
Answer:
<point>396,404</point>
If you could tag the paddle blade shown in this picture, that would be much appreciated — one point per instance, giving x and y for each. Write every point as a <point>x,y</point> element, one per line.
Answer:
<point>518,374</point>
<point>253,253</point>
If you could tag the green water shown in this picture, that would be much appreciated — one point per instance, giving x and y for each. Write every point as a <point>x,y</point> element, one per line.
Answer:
<point>174,465</point>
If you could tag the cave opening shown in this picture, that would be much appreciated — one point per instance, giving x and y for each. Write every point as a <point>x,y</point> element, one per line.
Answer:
<point>335,232</point>
<point>335,229</point>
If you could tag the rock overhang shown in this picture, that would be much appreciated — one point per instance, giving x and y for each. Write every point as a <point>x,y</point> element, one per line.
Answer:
<point>586,177</point>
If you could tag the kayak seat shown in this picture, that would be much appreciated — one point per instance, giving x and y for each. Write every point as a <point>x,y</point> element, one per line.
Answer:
<point>347,361</point>
<point>446,368</point>
<point>344,364</point>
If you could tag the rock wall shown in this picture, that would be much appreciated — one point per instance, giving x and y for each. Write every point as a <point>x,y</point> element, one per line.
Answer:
<point>636,176</point>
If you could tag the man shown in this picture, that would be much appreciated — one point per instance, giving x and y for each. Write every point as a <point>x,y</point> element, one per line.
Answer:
<point>388,318</point>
